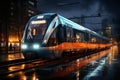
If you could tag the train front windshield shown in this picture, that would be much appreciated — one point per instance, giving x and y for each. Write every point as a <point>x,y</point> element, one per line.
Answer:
<point>36,30</point>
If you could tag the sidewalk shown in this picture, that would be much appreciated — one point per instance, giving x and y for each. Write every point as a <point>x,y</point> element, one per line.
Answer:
<point>10,50</point>
<point>11,56</point>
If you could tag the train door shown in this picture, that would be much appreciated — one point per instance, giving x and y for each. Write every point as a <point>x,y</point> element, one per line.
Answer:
<point>53,39</point>
<point>60,34</point>
<point>86,37</point>
<point>81,37</point>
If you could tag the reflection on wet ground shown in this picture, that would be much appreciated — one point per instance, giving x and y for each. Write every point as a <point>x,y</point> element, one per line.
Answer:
<point>11,56</point>
<point>87,68</point>
<point>102,70</point>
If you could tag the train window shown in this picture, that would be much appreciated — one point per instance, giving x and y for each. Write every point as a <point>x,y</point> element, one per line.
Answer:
<point>82,37</point>
<point>36,31</point>
<point>29,35</point>
<point>98,40</point>
<point>78,36</point>
<point>89,36</point>
<point>53,39</point>
<point>93,40</point>
<point>39,27</point>
<point>72,34</point>
<point>69,34</point>
<point>86,37</point>
<point>60,34</point>
<point>64,33</point>
<point>57,37</point>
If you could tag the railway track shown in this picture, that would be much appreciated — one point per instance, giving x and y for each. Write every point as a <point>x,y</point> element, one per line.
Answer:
<point>16,62</point>
<point>4,72</point>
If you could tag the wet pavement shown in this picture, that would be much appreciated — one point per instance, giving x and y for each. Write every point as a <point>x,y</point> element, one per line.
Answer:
<point>105,68</point>
<point>11,56</point>
<point>105,71</point>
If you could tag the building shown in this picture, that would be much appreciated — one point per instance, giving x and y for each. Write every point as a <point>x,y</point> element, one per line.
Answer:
<point>14,16</point>
<point>106,28</point>
<point>108,31</point>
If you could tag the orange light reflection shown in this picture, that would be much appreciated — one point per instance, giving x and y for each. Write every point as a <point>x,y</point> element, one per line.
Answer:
<point>77,45</point>
<point>13,68</point>
<point>15,56</point>
<point>113,52</point>
<point>82,62</point>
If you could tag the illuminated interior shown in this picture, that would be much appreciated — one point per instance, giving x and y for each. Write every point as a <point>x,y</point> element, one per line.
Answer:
<point>13,40</point>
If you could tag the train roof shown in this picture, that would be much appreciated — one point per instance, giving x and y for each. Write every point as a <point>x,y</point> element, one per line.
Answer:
<point>74,25</point>
<point>80,27</point>
<point>44,14</point>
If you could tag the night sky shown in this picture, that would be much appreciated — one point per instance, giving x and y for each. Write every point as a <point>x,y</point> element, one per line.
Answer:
<point>109,9</point>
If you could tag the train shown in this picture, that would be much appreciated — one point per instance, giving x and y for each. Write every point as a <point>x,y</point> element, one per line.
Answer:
<point>50,35</point>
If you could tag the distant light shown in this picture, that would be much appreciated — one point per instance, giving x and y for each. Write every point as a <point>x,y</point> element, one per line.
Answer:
<point>36,46</point>
<point>39,17</point>
<point>30,2</point>
<point>24,46</point>
<point>39,22</point>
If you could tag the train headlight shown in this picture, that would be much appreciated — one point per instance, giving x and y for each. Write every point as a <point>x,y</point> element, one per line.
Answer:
<point>24,46</point>
<point>36,46</point>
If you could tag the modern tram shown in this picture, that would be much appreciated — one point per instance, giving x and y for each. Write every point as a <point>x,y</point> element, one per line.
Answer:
<point>51,35</point>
